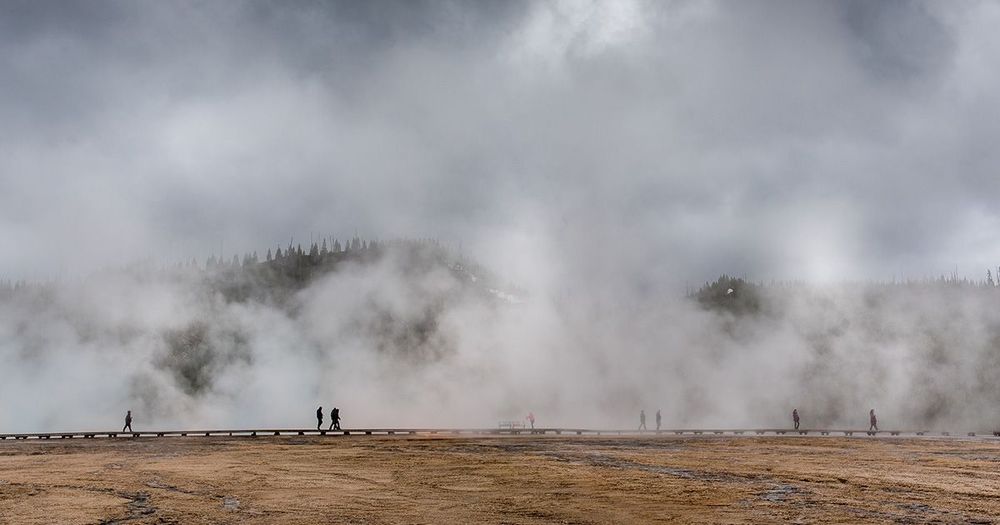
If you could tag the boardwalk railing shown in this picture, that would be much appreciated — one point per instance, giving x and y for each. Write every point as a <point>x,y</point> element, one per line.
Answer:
<point>477,432</point>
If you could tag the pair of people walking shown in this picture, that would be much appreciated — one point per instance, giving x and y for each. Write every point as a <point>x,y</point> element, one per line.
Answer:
<point>642,419</point>
<point>873,421</point>
<point>334,419</point>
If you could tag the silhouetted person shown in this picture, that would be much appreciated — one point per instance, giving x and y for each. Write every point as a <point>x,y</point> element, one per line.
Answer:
<point>531,419</point>
<point>319,418</point>
<point>128,421</point>
<point>658,419</point>
<point>795,417</point>
<point>873,420</point>
<point>335,418</point>
<point>642,420</point>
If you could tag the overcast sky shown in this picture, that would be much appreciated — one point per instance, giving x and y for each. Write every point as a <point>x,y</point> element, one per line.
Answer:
<point>639,142</point>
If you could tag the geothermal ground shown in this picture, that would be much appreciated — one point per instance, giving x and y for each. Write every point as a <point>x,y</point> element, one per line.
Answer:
<point>525,479</point>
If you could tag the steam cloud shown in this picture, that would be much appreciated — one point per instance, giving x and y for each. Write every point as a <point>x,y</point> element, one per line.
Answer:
<point>601,156</point>
<point>409,338</point>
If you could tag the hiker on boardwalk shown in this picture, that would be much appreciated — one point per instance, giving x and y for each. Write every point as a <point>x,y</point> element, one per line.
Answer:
<point>642,420</point>
<point>873,420</point>
<point>335,419</point>
<point>658,419</point>
<point>531,419</point>
<point>319,418</point>
<point>795,417</point>
<point>128,421</point>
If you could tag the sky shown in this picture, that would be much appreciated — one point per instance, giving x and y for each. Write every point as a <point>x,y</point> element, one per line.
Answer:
<point>650,145</point>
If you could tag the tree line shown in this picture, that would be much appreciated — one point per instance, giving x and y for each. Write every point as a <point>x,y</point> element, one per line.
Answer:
<point>740,295</point>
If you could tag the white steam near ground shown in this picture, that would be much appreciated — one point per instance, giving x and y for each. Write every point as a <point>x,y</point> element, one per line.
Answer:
<point>404,341</point>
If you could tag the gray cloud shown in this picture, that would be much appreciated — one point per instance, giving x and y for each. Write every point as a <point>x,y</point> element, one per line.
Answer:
<point>700,137</point>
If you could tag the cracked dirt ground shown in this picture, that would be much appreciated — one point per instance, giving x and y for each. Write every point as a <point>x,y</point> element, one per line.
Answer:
<point>501,480</point>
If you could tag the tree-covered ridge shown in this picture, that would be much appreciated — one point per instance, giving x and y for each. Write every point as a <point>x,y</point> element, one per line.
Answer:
<point>732,294</point>
<point>282,271</point>
<point>739,295</point>
<point>196,321</point>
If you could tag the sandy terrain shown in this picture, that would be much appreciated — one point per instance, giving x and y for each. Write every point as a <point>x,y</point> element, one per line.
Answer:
<point>500,480</point>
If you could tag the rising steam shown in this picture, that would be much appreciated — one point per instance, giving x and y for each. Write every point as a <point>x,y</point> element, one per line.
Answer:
<point>407,334</point>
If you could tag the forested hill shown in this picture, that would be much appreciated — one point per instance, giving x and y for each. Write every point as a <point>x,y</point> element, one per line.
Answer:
<point>285,271</point>
<point>190,324</point>
<point>740,296</point>
<point>279,273</point>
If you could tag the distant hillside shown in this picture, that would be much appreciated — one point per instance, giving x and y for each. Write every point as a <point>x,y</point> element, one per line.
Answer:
<point>740,296</point>
<point>391,297</point>
<point>280,273</point>
<point>284,272</point>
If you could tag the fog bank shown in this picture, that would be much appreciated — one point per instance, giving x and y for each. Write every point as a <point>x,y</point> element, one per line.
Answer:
<point>415,335</point>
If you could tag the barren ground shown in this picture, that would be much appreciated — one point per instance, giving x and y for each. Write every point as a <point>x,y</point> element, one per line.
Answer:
<point>529,479</point>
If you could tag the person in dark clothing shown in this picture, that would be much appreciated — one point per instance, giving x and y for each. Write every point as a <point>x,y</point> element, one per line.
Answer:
<point>335,418</point>
<point>642,420</point>
<point>128,421</point>
<point>319,418</point>
<point>795,417</point>
<point>873,420</point>
<point>658,419</point>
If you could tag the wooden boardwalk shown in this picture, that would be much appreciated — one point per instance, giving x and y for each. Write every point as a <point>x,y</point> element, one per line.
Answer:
<point>250,433</point>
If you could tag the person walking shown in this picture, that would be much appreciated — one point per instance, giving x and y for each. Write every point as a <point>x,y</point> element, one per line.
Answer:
<point>531,420</point>
<point>319,418</point>
<point>795,417</point>
<point>658,419</point>
<point>642,420</point>
<point>335,418</point>
<point>873,420</point>
<point>128,421</point>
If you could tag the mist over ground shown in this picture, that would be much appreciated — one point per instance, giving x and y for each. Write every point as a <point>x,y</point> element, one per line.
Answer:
<point>411,334</point>
<point>602,157</point>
